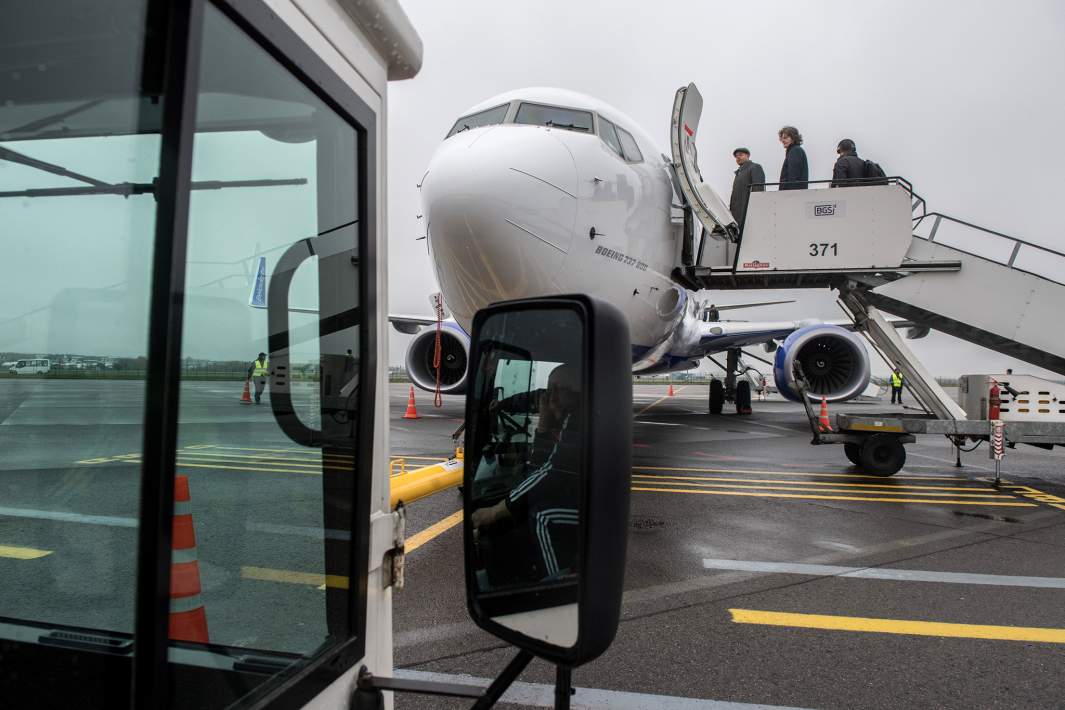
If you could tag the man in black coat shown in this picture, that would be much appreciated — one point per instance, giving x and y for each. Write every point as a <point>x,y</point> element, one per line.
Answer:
<point>849,168</point>
<point>795,171</point>
<point>747,174</point>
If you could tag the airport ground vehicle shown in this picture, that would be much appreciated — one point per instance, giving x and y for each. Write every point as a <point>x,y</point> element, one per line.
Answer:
<point>36,366</point>
<point>172,123</point>
<point>180,140</point>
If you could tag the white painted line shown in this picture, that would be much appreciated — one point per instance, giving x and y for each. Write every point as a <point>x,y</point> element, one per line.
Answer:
<point>65,517</point>
<point>900,575</point>
<point>542,695</point>
<point>117,522</point>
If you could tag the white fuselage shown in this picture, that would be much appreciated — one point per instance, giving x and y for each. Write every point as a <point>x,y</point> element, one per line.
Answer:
<point>517,211</point>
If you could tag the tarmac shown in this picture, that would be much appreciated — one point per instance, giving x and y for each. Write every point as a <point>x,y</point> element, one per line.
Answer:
<point>766,571</point>
<point>761,570</point>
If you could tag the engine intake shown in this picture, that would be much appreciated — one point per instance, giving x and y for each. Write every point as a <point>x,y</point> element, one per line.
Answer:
<point>834,362</point>
<point>454,355</point>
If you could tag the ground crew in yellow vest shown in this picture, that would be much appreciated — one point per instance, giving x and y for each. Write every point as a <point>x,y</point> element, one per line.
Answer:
<point>258,372</point>
<point>896,386</point>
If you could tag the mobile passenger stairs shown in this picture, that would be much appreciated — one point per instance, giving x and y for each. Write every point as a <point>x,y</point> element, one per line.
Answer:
<point>875,243</point>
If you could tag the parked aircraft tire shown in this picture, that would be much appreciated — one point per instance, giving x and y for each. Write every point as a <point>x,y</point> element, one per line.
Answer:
<point>743,398</point>
<point>882,455</point>
<point>854,453</point>
<point>717,396</point>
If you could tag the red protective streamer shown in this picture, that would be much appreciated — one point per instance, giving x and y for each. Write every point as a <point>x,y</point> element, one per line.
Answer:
<point>438,400</point>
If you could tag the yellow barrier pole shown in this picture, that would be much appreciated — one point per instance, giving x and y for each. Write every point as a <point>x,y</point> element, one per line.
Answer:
<point>410,485</point>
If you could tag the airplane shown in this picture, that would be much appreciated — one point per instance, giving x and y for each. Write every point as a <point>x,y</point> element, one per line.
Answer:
<point>542,191</point>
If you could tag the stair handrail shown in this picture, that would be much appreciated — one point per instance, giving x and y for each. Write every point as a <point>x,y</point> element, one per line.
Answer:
<point>1017,242</point>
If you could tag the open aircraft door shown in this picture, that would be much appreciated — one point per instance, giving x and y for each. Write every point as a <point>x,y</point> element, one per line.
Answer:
<point>707,205</point>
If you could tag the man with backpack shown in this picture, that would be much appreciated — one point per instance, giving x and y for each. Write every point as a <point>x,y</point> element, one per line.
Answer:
<point>851,170</point>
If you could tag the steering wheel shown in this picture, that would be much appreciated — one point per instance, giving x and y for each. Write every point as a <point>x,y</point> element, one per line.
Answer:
<point>511,426</point>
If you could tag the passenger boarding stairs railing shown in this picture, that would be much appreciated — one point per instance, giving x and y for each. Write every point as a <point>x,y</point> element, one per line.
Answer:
<point>1008,294</point>
<point>859,226</point>
<point>876,244</point>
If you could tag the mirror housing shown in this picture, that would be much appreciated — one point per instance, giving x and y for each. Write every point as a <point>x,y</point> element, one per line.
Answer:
<point>511,341</point>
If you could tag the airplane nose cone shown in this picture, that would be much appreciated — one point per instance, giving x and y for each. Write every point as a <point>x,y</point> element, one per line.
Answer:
<point>500,204</point>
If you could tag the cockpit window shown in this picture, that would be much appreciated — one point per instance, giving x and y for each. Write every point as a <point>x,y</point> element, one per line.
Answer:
<point>609,135</point>
<point>628,144</point>
<point>554,117</point>
<point>488,117</point>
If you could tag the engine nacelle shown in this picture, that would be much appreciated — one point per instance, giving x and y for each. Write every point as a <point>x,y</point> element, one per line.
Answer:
<point>454,356</point>
<point>834,362</point>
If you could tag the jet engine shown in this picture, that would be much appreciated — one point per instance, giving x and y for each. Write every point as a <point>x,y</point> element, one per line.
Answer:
<point>834,362</point>
<point>454,354</point>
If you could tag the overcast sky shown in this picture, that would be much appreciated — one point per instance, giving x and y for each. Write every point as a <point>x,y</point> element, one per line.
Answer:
<point>963,98</point>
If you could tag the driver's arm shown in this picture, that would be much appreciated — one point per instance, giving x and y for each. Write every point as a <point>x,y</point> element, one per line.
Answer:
<point>490,515</point>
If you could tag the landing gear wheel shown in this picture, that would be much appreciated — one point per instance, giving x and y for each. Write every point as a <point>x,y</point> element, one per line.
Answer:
<point>743,398</point>
<point>717,396</point>
<point>882,455</point>
<point>854,453</point>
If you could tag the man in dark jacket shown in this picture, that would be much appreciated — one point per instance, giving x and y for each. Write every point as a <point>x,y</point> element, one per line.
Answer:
<point>849,168</point>
<point>749,173</point>
<point>795,171</point>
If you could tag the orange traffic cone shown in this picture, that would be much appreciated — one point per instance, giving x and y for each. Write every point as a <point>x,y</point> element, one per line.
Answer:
<point>826,425</point>
<point>246,397</point>
<point>188,620</point>
<point>670,393</point>
<point>412,412</point>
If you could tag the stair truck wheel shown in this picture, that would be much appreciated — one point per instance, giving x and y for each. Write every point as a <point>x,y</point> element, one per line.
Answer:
<point>854,453</point>
<point>882,455</point>
<point>743,398</point>
<point>717,396</point>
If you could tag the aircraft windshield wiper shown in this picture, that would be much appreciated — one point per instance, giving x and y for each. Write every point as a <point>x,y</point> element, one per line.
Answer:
<point>570,126</point>
<point>125,189</point>
<point>15,157</point>
<point>465,127</point>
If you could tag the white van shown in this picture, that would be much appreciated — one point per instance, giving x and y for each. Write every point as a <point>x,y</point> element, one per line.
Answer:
<point>31,367</point>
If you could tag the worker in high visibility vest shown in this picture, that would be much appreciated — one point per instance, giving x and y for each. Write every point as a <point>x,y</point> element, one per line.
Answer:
<point>258,372</point>
<point>896,386</point>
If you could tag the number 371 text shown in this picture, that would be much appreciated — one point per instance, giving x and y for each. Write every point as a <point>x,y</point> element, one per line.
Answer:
<point>823,248</point>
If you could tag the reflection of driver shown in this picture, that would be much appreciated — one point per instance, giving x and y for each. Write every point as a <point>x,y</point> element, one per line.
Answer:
<point>546,498</point>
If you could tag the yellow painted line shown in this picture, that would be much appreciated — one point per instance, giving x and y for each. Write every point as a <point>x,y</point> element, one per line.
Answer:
<point>898,626</point>
<point>310,458</point>
<point>660,399</point>
<point>817,497</point>
<point>115,458</point>
<point>810,483</point>
<point>829,490</point>
<point>1041,496</point>
<point>321,581</point>
<point>797,473</point>
<point>248,468</point>
<point>435,459</point>
<point>302,461</point>
<point>22,553</point>
<point>201,458</point>
<point>273,451</point>
<point>438,528</point>
<point>313,579</point>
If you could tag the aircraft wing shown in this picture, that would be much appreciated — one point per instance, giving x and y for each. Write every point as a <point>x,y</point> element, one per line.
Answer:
<point>734,306</point>
<point>724,335</point>
<point>257,299</point>
<point>914,329</point>
<point>410,324</point>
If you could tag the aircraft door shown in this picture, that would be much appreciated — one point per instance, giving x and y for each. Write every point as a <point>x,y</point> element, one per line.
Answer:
<point>706,204</point>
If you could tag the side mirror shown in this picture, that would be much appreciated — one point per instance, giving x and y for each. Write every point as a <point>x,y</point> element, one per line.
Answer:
<point>547,474</point>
